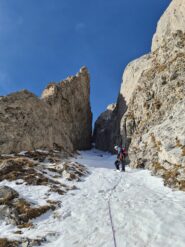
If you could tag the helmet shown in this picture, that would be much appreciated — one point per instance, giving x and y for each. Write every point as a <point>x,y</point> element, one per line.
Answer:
<point>116,148</point>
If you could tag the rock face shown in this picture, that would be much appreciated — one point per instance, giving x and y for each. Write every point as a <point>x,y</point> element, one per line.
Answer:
<point>60,119</point>
<point>172,21</point>
<point>154,90</point>
<point>103,128</point>
<point>107,127</point>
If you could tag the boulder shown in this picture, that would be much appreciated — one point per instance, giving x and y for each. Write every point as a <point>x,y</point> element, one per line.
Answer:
<point>7,212</point>
<point>7,194</point>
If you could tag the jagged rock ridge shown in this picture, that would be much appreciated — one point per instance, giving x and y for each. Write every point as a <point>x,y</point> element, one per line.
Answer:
<point>154,88</point>
<point>60,119</point>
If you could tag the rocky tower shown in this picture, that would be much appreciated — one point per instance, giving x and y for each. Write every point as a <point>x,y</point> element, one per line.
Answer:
<point>154,91</point>
<point>107,126</point>
<point>60,119</point>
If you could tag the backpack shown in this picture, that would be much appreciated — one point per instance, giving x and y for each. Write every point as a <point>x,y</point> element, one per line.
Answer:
<point>123,154</point>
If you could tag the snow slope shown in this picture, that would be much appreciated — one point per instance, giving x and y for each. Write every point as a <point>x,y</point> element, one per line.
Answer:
<point>144,212</point>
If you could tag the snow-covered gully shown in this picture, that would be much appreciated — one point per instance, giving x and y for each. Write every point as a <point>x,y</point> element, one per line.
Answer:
<point>108,209</point>
<point>144,212</point>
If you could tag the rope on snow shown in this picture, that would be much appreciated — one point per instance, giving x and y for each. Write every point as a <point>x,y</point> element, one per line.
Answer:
<point>112,224</point>
<point>110,211</point>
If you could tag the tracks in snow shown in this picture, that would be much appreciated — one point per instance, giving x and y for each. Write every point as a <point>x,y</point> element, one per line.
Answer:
<point>145,213</point>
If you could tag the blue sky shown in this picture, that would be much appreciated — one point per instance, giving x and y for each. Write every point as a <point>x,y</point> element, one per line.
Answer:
<point>43,41</point>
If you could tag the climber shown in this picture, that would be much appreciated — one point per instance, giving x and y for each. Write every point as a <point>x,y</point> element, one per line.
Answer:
<point>121,158</point>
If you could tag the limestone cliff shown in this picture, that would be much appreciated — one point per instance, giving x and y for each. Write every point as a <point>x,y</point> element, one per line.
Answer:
<point>60,119</point>
<point>154,90</point>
